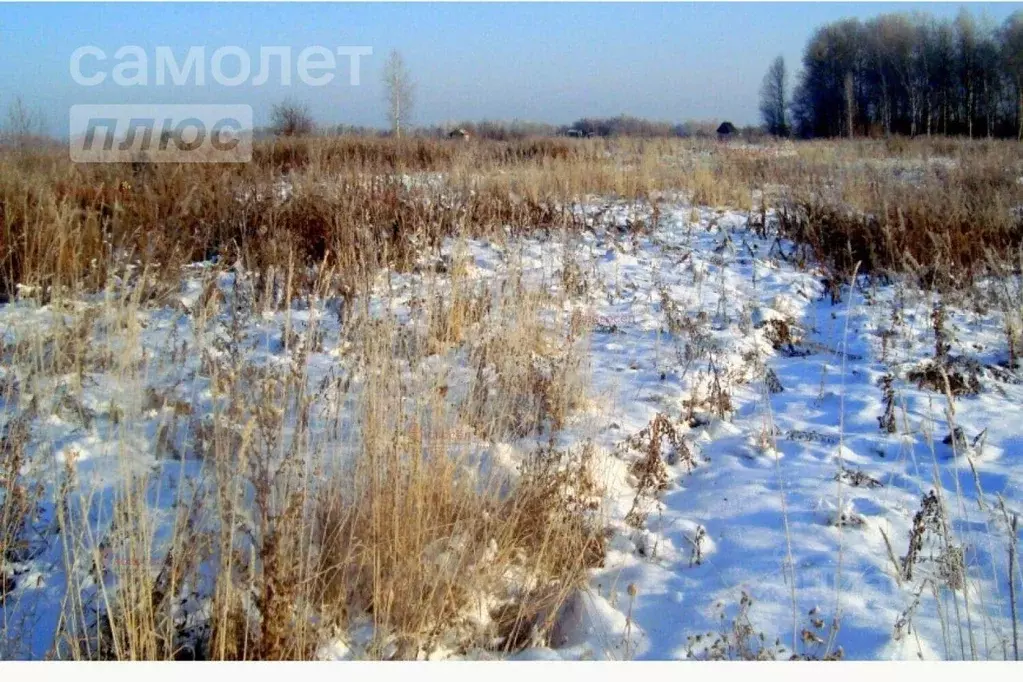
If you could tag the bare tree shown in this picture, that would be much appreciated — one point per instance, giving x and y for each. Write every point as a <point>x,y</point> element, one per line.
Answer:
<point>850,104</point>
<point>399,91</point>
<point>291,118</point>
<point>22,125</point>
<point>912,74</point>
<point>967,38</point>
<point>1012,55</point>
<point>772,99</point>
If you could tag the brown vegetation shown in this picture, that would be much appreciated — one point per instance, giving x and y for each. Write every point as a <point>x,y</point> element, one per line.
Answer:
<point>285,548</point>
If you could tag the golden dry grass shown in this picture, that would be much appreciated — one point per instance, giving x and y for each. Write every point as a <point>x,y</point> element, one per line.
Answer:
<point>284,548</point>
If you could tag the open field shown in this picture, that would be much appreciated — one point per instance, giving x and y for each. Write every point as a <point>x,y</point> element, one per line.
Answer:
<point>584,399</point>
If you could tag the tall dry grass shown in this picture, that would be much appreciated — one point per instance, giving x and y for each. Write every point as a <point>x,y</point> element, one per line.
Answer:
<point>352,199</point>
<point>275,520</point>
<point>287,511</point>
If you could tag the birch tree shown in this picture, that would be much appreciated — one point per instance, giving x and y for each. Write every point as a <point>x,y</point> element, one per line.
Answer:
<point>399,92</point>
<point>1012,54</point>
<point>772,99</point>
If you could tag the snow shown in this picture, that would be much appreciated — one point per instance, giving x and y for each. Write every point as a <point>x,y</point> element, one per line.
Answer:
<point>768,502</point>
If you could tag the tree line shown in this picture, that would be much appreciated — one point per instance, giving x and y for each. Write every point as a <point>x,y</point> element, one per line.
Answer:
<point>908,74</point>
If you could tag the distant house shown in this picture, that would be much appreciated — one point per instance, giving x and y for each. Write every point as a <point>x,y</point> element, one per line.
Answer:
<point>726,131</point>
<point>459,134</point>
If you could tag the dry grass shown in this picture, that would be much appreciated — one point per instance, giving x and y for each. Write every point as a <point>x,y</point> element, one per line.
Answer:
<point>358,201</point>
<point>937,221</point>
<point>527,373</point>
<point>263,532</point>
<point>283,512</point>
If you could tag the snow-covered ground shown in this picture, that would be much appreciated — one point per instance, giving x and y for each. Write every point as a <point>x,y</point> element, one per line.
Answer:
<point>780,508</point>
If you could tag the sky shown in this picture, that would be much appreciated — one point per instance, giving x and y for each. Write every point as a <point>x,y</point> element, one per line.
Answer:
<point>543,62</point>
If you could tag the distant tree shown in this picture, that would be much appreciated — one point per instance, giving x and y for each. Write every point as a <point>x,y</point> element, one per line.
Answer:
<point>941,74</point>
<point>907,74</point>
<point>622,126</point>
<point>399,91</point>
<point>772,99</point>
<point>966,52</point>
<point>22,125</point>
<point>1012,58</point>
<point>921,87</point>
<point>290,118</point>
<point>830,92</point>
<point>494,130</point>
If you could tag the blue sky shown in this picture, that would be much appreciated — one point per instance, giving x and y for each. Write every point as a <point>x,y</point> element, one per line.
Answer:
<point>541,62</point>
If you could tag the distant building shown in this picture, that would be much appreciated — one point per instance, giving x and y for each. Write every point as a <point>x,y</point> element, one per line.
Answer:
<point>459,134</point>
<point>574,132</point>
<point>726,131</point>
